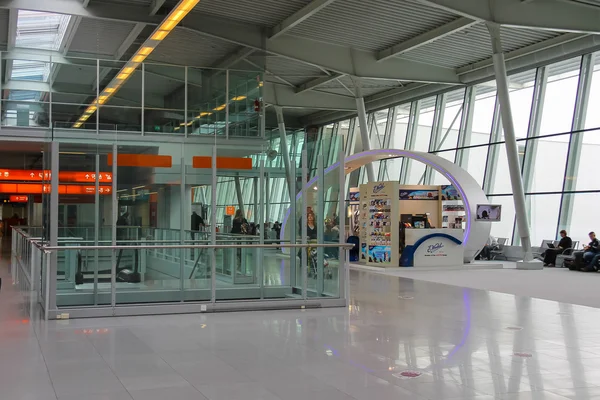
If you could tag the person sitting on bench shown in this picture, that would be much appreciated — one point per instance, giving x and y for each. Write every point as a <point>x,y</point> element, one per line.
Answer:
<point>550,254</point>
<point>591,253</point>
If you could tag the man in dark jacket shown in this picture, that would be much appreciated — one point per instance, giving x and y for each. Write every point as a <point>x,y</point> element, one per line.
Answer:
<point>197,221</point>
<point>591,253</point>
<point>550,254</point>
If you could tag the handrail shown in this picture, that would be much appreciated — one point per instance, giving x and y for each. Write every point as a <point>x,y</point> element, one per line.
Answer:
<point>165,241</point>
<point>200,246</point>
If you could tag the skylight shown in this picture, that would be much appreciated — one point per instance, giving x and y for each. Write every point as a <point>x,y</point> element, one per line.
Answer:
<point>41,30</point>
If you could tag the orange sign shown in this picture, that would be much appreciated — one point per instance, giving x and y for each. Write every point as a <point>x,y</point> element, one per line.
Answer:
<point>34,188</point>
<point>222,162</point>
<point>64,176</point>
<point>18,199</point>
<point>230,210</point>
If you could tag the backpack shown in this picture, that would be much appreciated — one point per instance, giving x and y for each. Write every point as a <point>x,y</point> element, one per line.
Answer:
<point>245,228</point>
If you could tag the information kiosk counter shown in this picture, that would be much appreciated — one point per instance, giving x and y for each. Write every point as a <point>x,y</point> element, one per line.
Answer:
<point>432,248</point>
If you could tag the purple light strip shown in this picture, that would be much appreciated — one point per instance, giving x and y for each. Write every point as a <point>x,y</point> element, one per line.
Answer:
<point>394,153</point>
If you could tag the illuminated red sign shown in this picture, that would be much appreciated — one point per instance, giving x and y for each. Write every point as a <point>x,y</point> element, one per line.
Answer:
<point>18,199</point>
<point>63,176</point>
<point>34,188</point>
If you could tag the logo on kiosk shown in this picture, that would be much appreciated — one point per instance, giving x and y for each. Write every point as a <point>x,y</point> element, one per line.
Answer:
<point>436,249</point>
<point>378,188</point>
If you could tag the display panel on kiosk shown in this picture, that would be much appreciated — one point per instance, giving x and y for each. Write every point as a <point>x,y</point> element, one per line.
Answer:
<point>489,212</point>
<point>419,221</point>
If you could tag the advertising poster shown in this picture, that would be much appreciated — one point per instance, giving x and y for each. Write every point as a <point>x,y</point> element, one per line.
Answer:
<point>363,252</point>
<point>380,254</point>
<point>354,196</point>
<point>453,207</point>
<point>418,195</point>
<point>449,192</point>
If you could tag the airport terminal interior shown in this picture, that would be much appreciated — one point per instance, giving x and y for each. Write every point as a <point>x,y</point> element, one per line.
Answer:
<point>299,199</point>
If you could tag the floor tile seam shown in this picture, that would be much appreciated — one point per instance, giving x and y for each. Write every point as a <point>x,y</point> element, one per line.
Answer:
<point>110,368</point>
<point>258,383</point>
<point>46,365</point>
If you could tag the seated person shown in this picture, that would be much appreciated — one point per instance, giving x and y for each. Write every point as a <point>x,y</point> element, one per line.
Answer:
<point>486,252</point>
<point>550,254</point>
<point>591,253</point>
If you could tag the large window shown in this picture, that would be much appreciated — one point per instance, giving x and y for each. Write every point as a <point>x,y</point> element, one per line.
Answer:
<point>561,184</point>
<point>559,102</point>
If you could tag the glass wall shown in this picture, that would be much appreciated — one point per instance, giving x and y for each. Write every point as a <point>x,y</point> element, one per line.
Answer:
<point>558,132</point>
<point>106,96</point>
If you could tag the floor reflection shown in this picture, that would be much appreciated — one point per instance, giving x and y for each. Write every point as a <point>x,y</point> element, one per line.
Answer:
<point>397,339</point>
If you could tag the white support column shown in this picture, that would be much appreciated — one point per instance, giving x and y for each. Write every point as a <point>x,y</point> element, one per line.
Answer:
<point>285,151</point>
<point>226,104</point>
<point>213,227</point>
<point>511,148</point>
<point>115,217</point>
<point>54,173</point>
<point>185,118</point>
<point>364,134</point>
<point>50,83</point>
<point>143,97</point>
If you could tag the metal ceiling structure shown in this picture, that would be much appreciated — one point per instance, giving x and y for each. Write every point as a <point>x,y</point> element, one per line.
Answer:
<point>316,54</point>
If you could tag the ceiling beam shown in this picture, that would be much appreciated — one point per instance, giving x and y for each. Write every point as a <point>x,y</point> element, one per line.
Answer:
<point>520,61</point>
<point>233,58</point>
<point>299,16</point>
<point>425,38</point>
<point>547,52</point>
<point>565,16</point>
<point>317,82</point>
<point>285,96</point>
<point>339,59</point>
<point>333,58</point>
<point>70,33</point>
<point>155,6</point>
<point>85,3</point>
<point>531,49</point>
<point>131,37</point>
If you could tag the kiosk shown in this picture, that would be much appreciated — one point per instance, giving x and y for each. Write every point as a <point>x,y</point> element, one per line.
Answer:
<point>407,225</point>
<point>456,206</point>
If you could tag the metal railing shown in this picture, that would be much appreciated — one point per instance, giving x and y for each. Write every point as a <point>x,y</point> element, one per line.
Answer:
<point>35,270</point>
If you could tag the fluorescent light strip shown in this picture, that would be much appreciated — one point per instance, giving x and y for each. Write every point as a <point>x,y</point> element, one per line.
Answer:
<point>161,32</point>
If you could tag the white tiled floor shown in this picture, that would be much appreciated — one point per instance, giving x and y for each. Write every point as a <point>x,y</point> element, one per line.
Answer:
<point>462,341</point>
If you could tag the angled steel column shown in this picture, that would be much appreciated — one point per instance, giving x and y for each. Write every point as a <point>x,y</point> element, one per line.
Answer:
<point>240,196</point>
<point>510,142</point>
<point>436,132</point>
<point>411,135</point>
<point>364,134</point>
<point>533,130</point>
<point>285,151</point>
<point>466,127</point>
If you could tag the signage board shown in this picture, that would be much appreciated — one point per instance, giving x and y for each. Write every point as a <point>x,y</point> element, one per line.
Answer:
<point>438,251</point>
<point>230,210</point>
<point>18,199</point>
<point>418,194</point>
<point>33,175</point>
<point>37,188</point>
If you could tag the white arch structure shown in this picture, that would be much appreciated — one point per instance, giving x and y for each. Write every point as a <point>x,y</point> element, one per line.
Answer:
<point>476,232</point>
